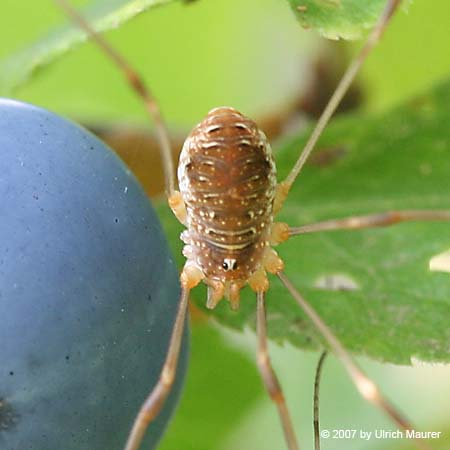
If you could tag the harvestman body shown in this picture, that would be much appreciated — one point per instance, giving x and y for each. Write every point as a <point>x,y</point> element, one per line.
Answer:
<point>227,180</point>
<point>227,200</point>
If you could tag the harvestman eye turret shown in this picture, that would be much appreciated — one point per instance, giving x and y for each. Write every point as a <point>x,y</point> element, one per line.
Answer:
<point>228,198</point>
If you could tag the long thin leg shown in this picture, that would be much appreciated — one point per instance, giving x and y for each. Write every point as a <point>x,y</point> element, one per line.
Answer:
<point>316,400</point>
<point>155,401</point>
<point>365,385</point>
<point>372,220</point>
<point>268,375</point>
<point>339,93</point>
<point>139,87</point>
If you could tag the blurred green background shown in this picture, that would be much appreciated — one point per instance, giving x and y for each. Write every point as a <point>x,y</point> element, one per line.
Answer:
<point>254,56</point>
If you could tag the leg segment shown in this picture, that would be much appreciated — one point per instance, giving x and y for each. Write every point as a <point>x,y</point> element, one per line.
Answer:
<point>372,220</point>
<point>365,385</point>
<point>336,98</point>
<point>137,84</point>
<point>316,400</point>
<point>155,401</point>
<point>269,377</point>
<point>177,206</point>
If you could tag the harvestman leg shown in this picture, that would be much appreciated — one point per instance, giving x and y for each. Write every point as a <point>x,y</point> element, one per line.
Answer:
<point>189,277</point>
<point>347,79</point>
<point>366,387</point>
<point>268,375</point>
<point>155,401</point>
<point>316,400</point>
<point>138,85</point>
<point>356,223</point>
<point>372,220</point>
<point>283,232</point>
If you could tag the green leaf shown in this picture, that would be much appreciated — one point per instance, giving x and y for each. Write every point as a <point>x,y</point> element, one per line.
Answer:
<point>400,309</point>
<point>103,15</point>
<point>334,19</point>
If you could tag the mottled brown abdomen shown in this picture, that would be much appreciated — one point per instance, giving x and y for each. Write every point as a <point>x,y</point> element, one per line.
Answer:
<point>227,179</point>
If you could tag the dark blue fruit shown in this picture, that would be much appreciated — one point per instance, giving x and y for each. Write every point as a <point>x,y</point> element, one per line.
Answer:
<point>88,289</point>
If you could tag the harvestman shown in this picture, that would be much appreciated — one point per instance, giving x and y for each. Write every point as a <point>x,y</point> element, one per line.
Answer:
<point>227,200</point>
